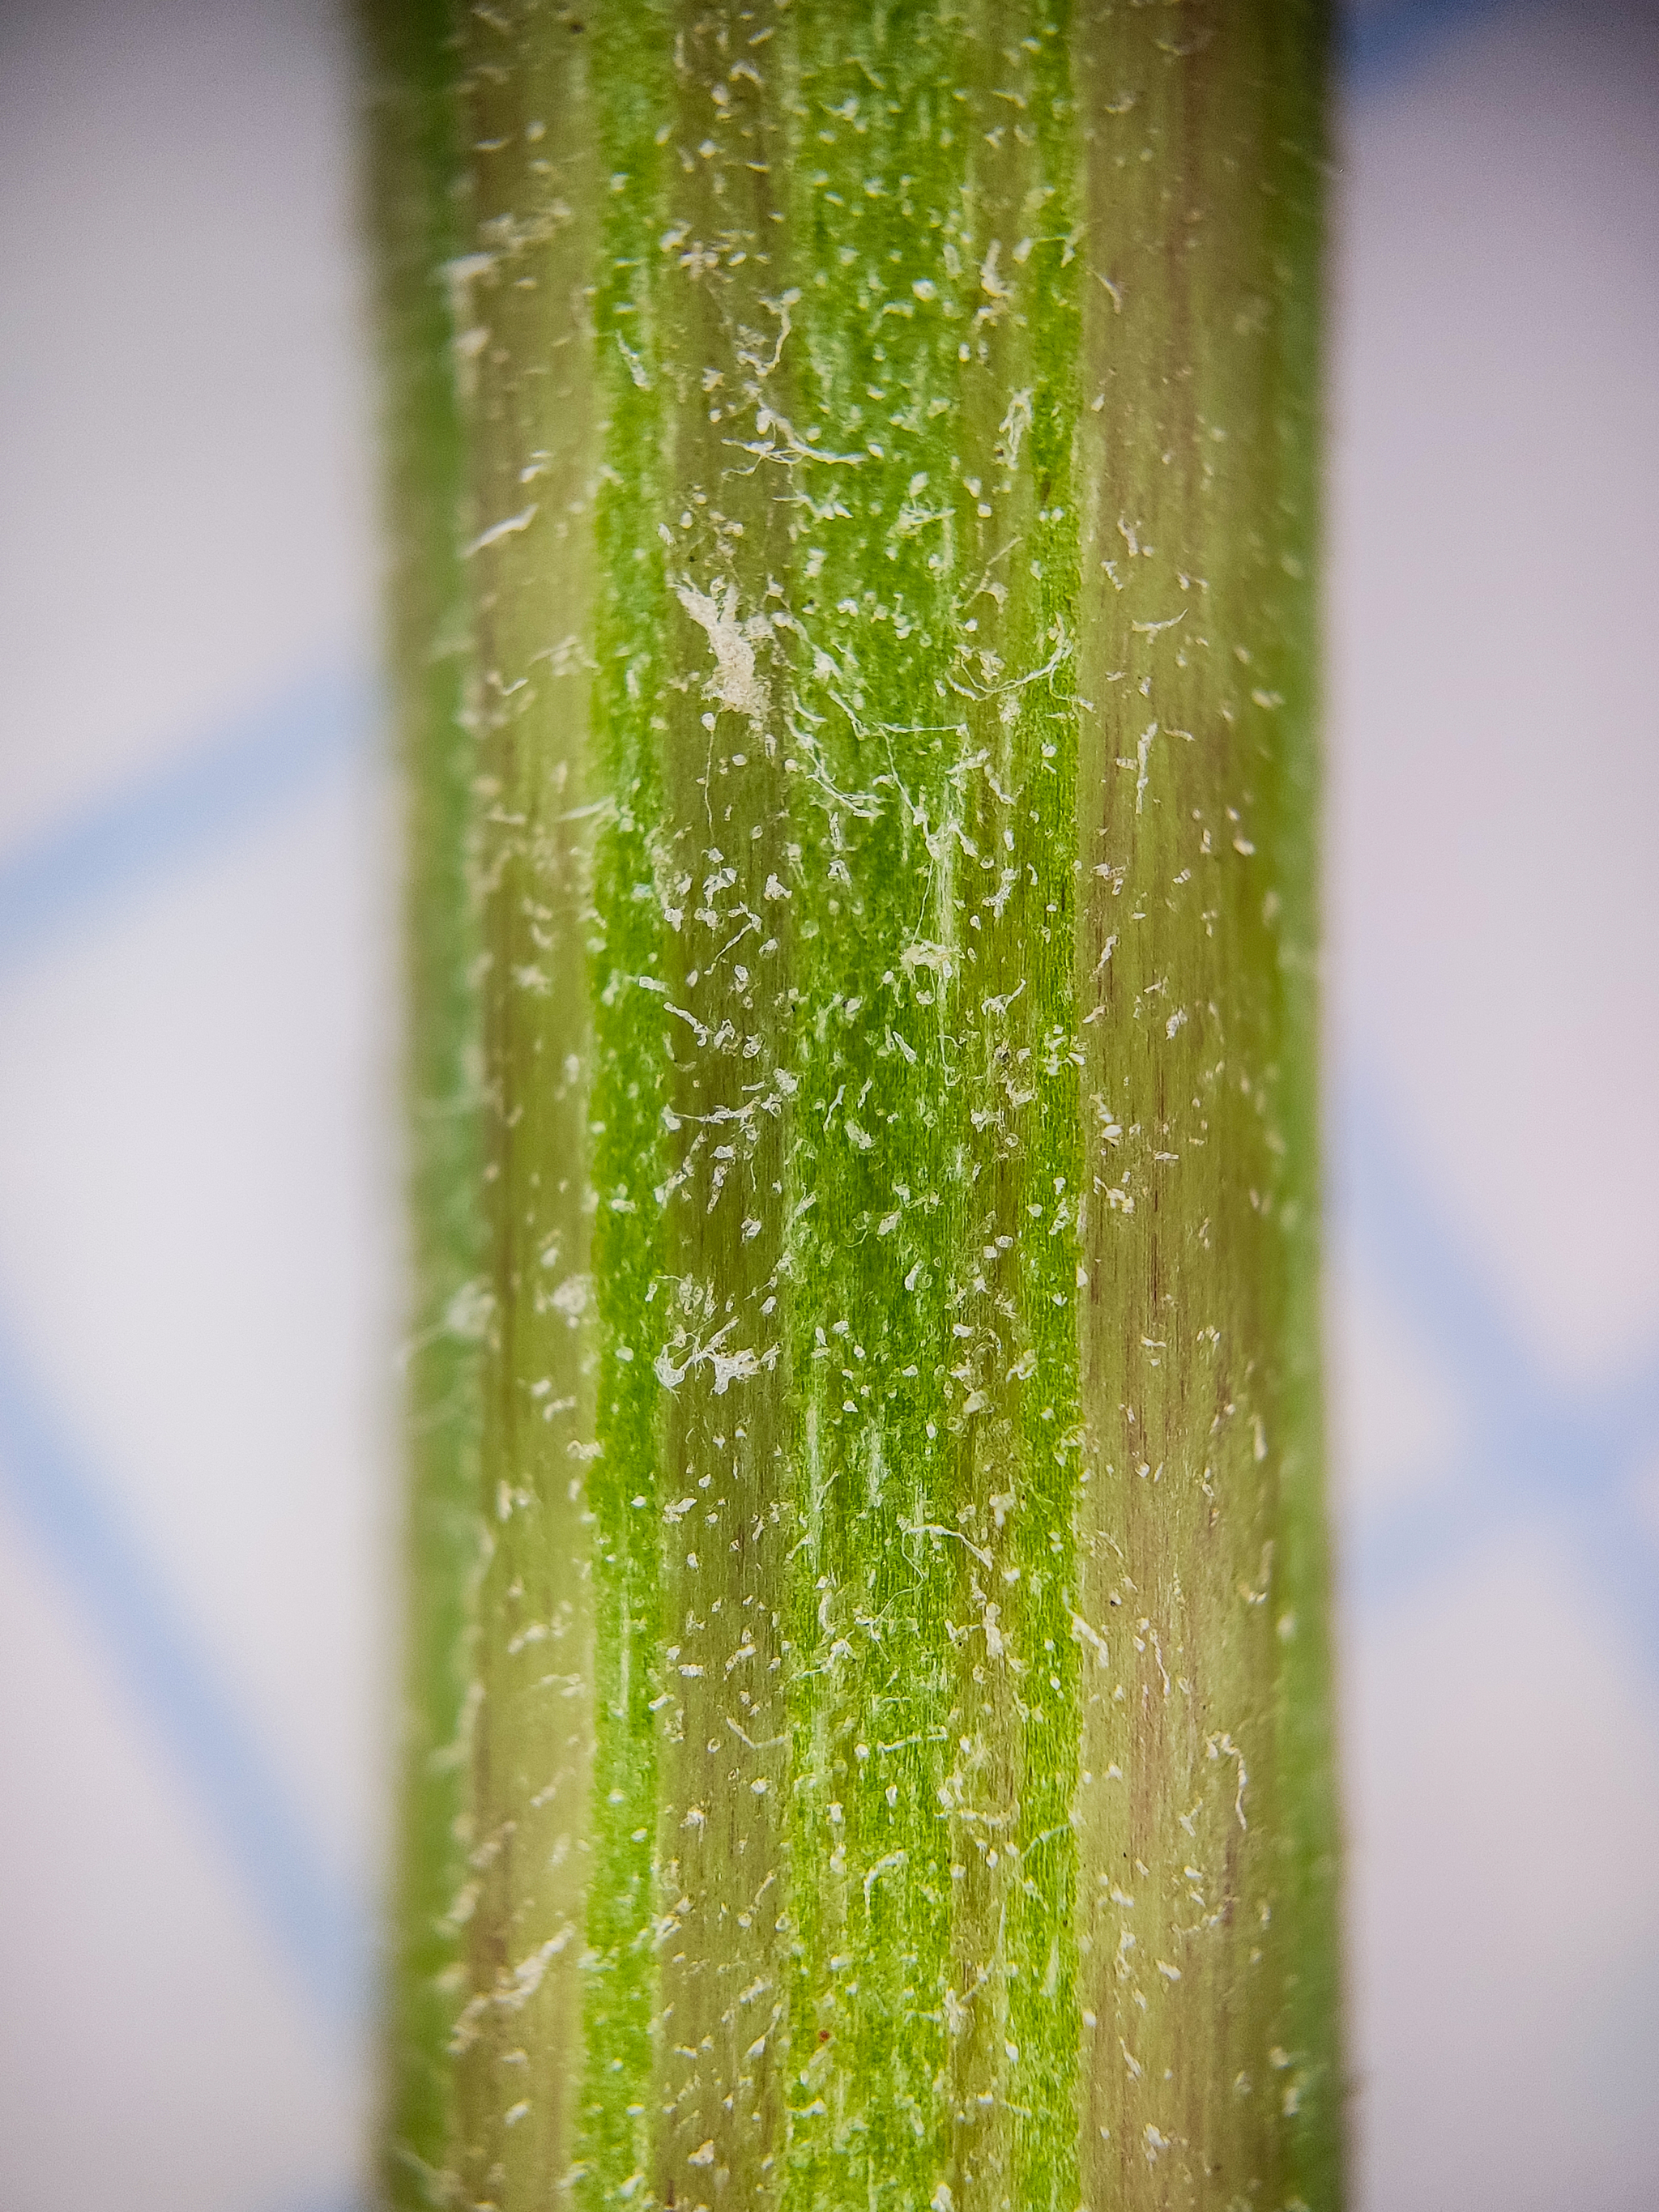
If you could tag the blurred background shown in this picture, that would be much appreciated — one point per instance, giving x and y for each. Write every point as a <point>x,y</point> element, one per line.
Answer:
<point>198,1219</point>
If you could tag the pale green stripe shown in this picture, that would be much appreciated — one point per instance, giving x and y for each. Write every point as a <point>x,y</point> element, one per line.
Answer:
<point>411,154</point>
<point>1208,2071</point>
<point>527,401</point>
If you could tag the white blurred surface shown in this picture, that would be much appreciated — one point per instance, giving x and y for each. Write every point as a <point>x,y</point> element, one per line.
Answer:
<point>1495,899</point>
<point>1493,903</point>
<point>197,1029</point>
<point>184,392</point>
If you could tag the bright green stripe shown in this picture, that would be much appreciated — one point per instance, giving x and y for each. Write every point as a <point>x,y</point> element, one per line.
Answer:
<point>1043,1998</point>
<point>620,1984</point>
<point>935,1668</point>
<point>870,1688</point>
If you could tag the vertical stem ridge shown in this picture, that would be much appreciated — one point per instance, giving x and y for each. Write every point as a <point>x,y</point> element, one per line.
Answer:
<point>723,2008</point>
<point>628,928</point>
<point>413,158</point>
<point>1199,1253</point>
<point>872,1657</point>
<point>523,367</point>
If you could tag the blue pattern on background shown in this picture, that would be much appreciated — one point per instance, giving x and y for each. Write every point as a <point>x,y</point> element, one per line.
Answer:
<point>1382,45</point>
<point>191,807</point>
<point>1534,1455</point>
<point>144,1632</point>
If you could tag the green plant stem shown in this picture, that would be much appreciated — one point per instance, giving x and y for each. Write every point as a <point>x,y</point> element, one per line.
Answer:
<point>854,481</point>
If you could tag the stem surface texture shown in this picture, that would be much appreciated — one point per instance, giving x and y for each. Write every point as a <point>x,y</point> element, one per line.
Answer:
<point>852,480</point>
